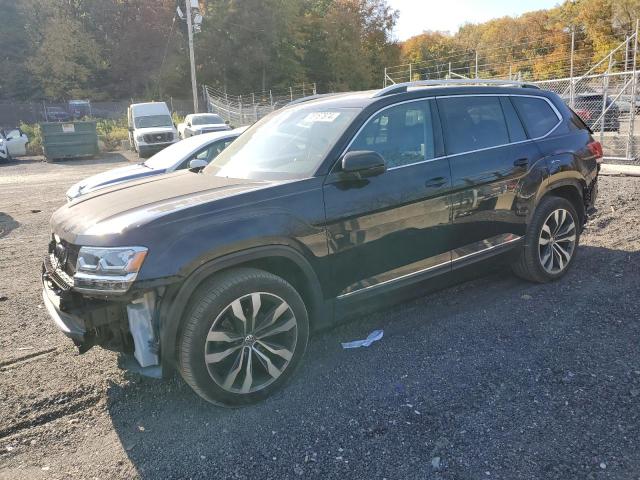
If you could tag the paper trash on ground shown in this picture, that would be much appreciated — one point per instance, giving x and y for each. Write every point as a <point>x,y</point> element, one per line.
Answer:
<point>373,337</point>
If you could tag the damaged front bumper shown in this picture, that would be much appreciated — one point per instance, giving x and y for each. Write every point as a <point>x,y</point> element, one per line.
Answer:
<point>122,324</point>
<point>71,325</point>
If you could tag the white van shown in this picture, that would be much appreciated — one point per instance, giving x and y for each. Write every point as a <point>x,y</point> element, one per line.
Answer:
<point>150,127</point>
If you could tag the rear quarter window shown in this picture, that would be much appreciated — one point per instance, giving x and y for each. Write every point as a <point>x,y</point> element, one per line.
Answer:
<point>536,114</point>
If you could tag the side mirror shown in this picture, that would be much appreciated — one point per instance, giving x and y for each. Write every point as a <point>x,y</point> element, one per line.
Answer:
<point>226,122</point>
<point>131,129</point>
<point>197,164</point>
<point>363,163</point>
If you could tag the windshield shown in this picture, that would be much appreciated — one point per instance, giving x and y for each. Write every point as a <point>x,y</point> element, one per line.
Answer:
<point>153,121</point>
<point>206,119</point>
<point>174,154</point>
<point>288,144</point>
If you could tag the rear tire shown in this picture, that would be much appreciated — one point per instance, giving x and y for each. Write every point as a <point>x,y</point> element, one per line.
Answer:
<point>551,241</point>
<point>244,334</point>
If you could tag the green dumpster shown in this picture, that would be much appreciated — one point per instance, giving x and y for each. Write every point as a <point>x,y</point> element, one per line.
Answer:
<point>69,140</point>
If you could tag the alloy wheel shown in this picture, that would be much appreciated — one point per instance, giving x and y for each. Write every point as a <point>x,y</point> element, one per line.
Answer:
<point>251,343</point>
<point>557,241</point>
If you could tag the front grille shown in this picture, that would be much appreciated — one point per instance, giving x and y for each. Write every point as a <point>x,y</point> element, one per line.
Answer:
<point>64,255</point>
<point>158,137</point>
<point>57,275</point>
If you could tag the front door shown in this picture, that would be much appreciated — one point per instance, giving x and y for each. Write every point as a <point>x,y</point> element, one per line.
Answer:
<point>393,226</point>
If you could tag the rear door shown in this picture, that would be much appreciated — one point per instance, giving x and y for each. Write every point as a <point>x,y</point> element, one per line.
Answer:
<point>489,153</point>
<point>392,227</point>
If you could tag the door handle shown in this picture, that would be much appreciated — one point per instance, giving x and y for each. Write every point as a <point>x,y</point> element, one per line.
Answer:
<point>521,162</point>
<point>436,182</point>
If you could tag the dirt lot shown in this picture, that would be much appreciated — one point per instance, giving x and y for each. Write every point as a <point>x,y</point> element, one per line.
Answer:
<point>495,378</point>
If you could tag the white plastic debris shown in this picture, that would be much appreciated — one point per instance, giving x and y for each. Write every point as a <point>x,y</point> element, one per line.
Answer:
<point>373,337</point>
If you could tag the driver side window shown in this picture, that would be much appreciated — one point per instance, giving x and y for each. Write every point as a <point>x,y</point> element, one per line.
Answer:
<point>402,134</point>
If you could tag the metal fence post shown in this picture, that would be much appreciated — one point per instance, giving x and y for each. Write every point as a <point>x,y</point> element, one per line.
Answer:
<point>626,53</point>
<point>410,73</point>
<point>634,88</point>
<point>291,93</point>
<point>385,77</point>
<point>477,64</point>
<point>605,91</point>
<point>315,92</point>
<point>572,85</point>
<point>240,108</point>
<point>205,98</point>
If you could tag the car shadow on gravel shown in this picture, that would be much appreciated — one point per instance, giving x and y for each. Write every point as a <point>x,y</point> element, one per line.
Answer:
<point>7,224</point>
<point>494,375</point>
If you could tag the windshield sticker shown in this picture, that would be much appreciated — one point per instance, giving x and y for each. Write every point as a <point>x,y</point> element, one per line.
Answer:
<point>321,117</point>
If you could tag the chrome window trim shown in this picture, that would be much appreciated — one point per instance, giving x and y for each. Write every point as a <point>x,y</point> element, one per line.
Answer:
<point>492,247</point>
<point>424,99</point>
<point>424,270</point>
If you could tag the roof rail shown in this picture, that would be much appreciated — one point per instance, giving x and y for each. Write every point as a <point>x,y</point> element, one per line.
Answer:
<point>309,98</point>
<point>404,87</point>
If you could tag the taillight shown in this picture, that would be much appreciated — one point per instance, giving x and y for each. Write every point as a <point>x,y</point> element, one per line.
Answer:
<point>584,114</point>
<point>596,149</point>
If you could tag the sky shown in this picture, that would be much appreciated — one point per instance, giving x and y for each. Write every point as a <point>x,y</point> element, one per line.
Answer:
<point>417,16</point>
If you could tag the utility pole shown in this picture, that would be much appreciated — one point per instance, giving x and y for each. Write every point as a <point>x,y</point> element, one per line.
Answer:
<point>192,60</point>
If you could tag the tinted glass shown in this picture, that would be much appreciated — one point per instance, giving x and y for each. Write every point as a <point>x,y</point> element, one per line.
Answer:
<point>537,115</point>
<point>472,123</point>
<point>152,121</point>
<point>206,119</point>
<point>402,134</point>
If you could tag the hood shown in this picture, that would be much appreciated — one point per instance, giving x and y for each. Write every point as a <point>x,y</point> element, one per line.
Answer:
<point>110,177</point>
<point>111,211</point>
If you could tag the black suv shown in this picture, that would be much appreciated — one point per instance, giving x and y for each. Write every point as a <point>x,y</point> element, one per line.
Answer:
<point>326,207</point>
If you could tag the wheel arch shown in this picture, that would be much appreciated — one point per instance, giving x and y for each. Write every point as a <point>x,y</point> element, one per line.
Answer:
<point>279,260</point>
<point>573,191</point>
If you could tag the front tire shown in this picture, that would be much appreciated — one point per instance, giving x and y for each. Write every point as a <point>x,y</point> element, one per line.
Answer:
<point>244,334</point>
<point>551,241</point>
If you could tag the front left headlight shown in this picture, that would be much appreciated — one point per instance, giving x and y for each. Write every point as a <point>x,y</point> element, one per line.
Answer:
<point>107,269</point>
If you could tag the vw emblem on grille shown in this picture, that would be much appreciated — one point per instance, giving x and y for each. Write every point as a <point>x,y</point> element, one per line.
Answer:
<point>158,137</point>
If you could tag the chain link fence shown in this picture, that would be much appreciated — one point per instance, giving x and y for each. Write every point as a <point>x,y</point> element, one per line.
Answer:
<point>13,113</point>
<point>608,105</point>
<point>249,108</point>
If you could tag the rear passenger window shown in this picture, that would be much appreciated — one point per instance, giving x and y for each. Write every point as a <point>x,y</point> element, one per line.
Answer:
<point>402,134</point>
<point>536,114</point>
<point>472,123</point>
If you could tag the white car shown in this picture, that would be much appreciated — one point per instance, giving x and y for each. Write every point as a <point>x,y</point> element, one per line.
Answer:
<point>199,123</point>
<point>13,143</point>
<point>194,152</point>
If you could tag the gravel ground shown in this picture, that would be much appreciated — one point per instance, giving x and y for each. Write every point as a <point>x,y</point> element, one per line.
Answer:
<point>493,379</point>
